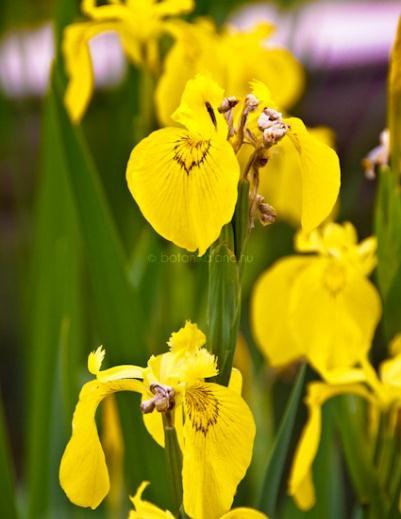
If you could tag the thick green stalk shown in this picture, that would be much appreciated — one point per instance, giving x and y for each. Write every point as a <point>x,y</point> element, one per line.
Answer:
<point>224,300</point>
<point>174,460</point>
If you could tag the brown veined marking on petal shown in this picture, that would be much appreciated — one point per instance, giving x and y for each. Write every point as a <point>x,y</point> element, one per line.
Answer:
<point>211,113</point>
<point>202,408</point>
<point>190,153</point>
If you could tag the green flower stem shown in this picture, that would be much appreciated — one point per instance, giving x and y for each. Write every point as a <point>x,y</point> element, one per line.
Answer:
<point>174,460</point>
<point>145,122</point>
<point>224,300</point>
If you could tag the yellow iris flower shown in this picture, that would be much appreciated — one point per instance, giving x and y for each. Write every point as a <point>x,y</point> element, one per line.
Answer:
<point>382,392</point>
<point>321,307</point>
<point>185,179</point>
<point>145,510</point>
<point>138,23</point>
<point>214,425</point>
<point>232,58</point>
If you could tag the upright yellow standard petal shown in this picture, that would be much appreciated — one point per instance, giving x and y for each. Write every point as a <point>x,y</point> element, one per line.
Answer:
<point>320,174</point>
<point>198,109</point>
<point>219,431</point>
<point>188,339</point>
<point>83,472</point>
<point>185,185</point>
<point>269,311</point>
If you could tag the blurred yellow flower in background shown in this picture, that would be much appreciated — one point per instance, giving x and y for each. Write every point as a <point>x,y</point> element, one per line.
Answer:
<point>232,58</point>
<point>321,307</point>
<point>185,179</point>
<point>138,23</point>
<point>383,394</point>
<point>145,510</point>
<point>214,425</point>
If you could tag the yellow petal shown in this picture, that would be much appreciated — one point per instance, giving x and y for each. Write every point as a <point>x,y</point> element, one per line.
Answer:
<point>172,7</point>
<point>79,68</point>
<point>120,372</point>
<point>95,360</point>
<point>83,471</point>
<point>390,371</point>
<point>300,484</point>
<point>320,174</point>
<point>198,110</point>
<point>333,314</point>
<point>154,423</point>
<point>236,381</point>
<point>244,513</point>
<point>144,509</point>
<point>188,339</point>
<point>78,61</point>
<point>269,311</point>
<point>185,185</point>
<point>282,73</point>
<point>219,432</point>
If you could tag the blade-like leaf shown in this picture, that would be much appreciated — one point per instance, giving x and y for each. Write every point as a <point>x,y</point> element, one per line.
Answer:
<point>279,454</point>
<point>120,314</point>
<point>224,301</point>
<point>388,231</point>
<point>357,455</point>
<point>55,300</point>
<point>7,495</point>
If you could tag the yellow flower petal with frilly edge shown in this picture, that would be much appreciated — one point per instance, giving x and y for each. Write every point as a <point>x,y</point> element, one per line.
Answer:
<point>188,339</point>
<point>270,311</point>
<point>219,431</point>
<point>300,484</point>
<point>185,185</point>
<point>83,472</point>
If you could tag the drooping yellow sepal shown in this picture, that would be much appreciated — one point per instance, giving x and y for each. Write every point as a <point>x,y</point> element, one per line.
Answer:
<point>319,169</point>
<point>83,472</point>
<point>218,440</point>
